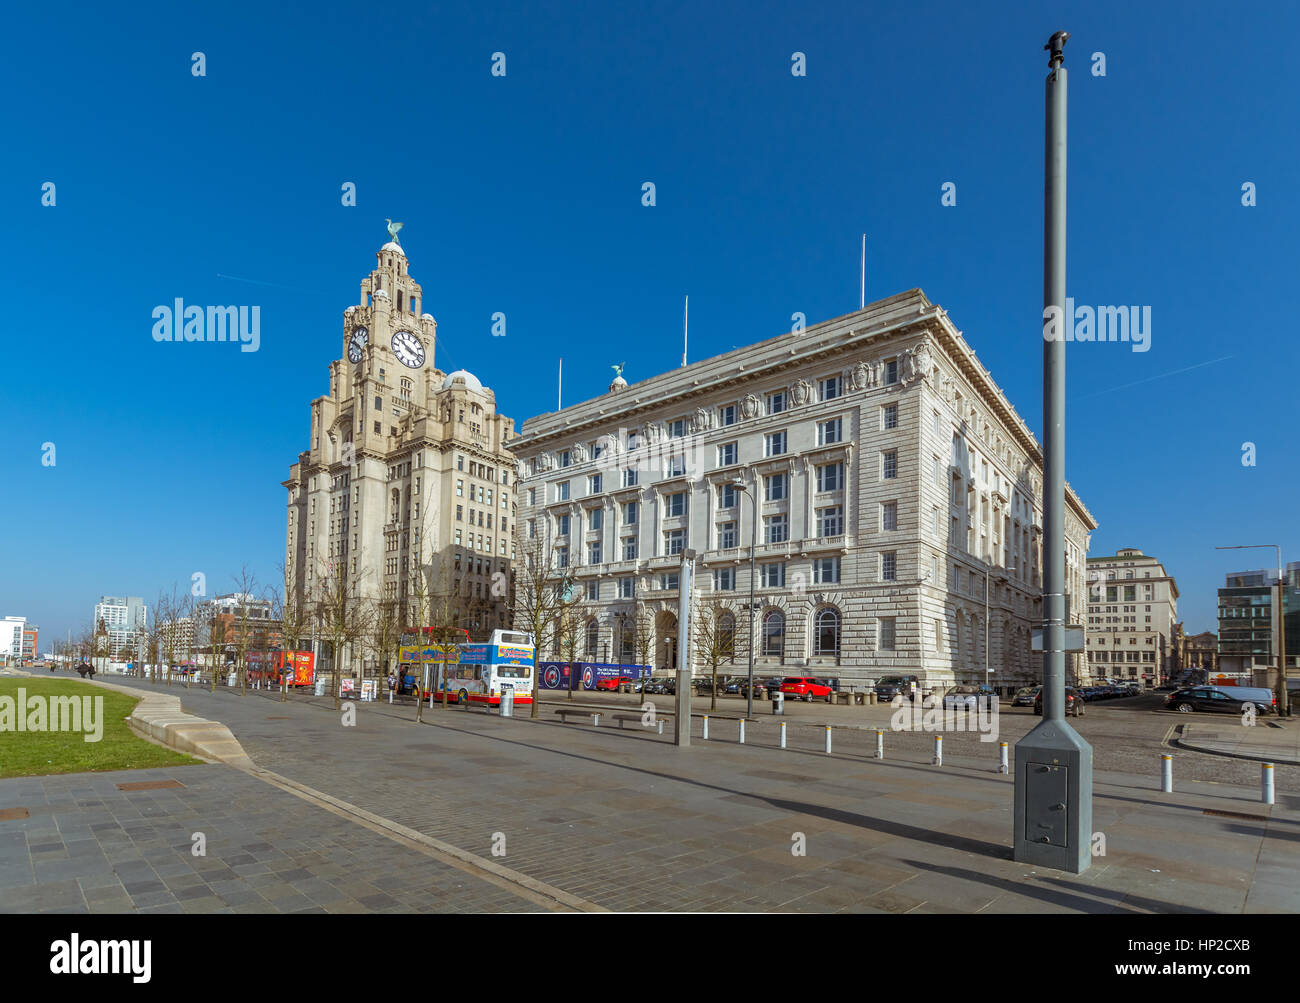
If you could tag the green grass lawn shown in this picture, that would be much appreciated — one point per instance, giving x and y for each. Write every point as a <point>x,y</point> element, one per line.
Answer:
<point>30,754</point>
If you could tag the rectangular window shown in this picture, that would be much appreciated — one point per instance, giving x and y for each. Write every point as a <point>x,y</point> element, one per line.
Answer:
<point>593,485</point>
<point>593,589</point>
<point>379,403</point>
<point>889,416</point>
<point>532,494</point>
<point>629,513</point>
<point>532,529</point>
<point>889,464</point>
<point>629,477</point>
<point>830,477</point>
<point>888,633</point>
<point>724,580</point>
<point>728,453</point>
<point>673,540</point>
<point>889,515</point>
<point>776,402</point>
<point>562,491</point>
<point>831,387</point>
<point>561,557</point>
<point>727,496</point>
<point>460,513</point>
<point>773,576</point>
<point>677,429</point>
<point>565,458</point>
<point>596,518</point>
<point>774,487</point>
<point>629,548</point>
<point>562,525</point>
<point>889,566</point>
<point>676,466</point>
<point>727,415</point>
<point>830,431</point>
<point>675,504</point>
<point>826,571</point>
<point>774,443</point>
<point>726,535</point>
<point>593,553</point>
<point>830,521</point>
<point>776,528</point>
<point>625,587</point>
<point>460,489</point>
<point>891,372</point>
<point>668,581</point>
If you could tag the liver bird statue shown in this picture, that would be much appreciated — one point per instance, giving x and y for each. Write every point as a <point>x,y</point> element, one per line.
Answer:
<point>392,230</point>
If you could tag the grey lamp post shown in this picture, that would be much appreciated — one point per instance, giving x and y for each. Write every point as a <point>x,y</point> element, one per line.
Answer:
<point>753,551</point>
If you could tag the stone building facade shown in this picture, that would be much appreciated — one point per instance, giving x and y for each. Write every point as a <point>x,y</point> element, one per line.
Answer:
<point>893,483</point>
<point>406,489</point>
<point>1132,612</point>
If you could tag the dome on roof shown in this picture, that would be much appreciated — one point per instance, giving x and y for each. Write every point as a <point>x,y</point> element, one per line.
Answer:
<point>426,316</point>
<point>379,293</point>
<point>392,245</point>
<point>462,376</point>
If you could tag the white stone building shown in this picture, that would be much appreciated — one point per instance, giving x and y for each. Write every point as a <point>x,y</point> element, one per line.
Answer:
<point>893,480</point>
<point>1132,610</point>
<point>123,618</point>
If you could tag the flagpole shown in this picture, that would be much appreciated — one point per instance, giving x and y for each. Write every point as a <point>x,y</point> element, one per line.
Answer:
<point>862,296</point>
<point>686,324</point>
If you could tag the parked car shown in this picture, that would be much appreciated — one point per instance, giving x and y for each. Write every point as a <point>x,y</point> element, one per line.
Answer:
<point>772,686</point>
<point>1025,696</point>
<point>1214,698</point>
<point>892,686</point>
<point>969,697</point>
<point>1073,702</point>
<point>806,687</point>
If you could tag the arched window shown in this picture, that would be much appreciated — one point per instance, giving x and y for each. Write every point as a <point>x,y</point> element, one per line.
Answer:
<point>593,638</point>
<point>826,632</point>
<point>727,636</point>
<point>774,634</point>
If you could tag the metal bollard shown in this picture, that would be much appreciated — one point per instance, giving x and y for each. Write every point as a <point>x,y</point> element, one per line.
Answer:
<point>706,727</point>
<point>1266,783</point>
<point>595,720</point>
<point>742,731</point>
<point>828,740</point>
<point>783,734</point>
<point>1166,773</point>
<point>661,726</point>
<point>938,750</point>
<point>1002,758</point>
<point>880,744</point>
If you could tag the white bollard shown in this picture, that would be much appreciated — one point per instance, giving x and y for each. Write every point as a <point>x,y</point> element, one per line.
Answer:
<point>390,695</point>
<point>938,750</point>
<point>1166,773</point>
<point>1002,758</point>
<point>880,744</point>
<point>1266,783</point>
<point>595,720</point>
<point>706,727</point>
<point>661,726</point>
<point>742,731</point>
<point>828,740</point>
<point>783,734</point>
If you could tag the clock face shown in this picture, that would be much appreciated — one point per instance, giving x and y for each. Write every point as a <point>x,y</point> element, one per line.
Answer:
<point>407,348</point>
<point>356,343</point>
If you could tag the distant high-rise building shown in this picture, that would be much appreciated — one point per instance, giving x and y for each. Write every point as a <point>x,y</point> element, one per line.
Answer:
<point>1132,609</point>
<point>11,637</point>
<point>122,619</point>
<point>1246,623</point>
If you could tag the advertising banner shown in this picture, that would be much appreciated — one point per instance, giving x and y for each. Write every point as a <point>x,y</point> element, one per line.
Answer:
<point>587,675</point>
<point>298,666</point>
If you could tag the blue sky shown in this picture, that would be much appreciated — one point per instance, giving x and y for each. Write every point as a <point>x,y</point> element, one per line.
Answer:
<point>522,195</point>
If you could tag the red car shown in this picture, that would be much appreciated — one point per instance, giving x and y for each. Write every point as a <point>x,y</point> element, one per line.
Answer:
<point>806,687</point>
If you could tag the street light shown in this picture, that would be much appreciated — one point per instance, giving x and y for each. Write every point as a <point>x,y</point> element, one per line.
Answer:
<point>741,486</point>
<point>1279,626</point>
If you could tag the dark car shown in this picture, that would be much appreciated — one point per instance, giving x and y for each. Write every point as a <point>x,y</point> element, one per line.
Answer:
<point>1073,702</point>
<point>1025,696</point>
<point>1211,698</point>
<point>892,686</point>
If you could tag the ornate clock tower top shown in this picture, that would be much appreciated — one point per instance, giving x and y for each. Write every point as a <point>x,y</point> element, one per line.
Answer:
<point>387,323</point>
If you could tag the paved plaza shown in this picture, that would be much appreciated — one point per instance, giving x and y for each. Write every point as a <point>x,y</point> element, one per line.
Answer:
<point>471,811</point>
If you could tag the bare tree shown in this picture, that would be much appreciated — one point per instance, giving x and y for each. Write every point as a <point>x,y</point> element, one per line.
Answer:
<point>542,591</point>
<point>715,639</point>
<point>343,617</point>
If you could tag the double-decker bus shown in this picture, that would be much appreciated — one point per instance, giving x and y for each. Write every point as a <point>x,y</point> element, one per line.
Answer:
<point>482,672</point>
<point>418,653</point>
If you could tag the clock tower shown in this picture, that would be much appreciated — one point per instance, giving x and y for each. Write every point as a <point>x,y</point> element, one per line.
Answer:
<point>405,498</point>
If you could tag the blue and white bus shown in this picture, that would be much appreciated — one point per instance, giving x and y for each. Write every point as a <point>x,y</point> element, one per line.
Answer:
<point>483,672</point>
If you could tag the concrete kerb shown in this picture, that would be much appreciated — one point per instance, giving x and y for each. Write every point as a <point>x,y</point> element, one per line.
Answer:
<point>159,716</point>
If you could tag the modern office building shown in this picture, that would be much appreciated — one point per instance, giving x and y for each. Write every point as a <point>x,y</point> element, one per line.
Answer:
<point>895,492</point>
<point>117,624</point>
<point>406,495</point>
<point>11,638</point>
<point>1246,625</point>
<point>1132,609</point>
